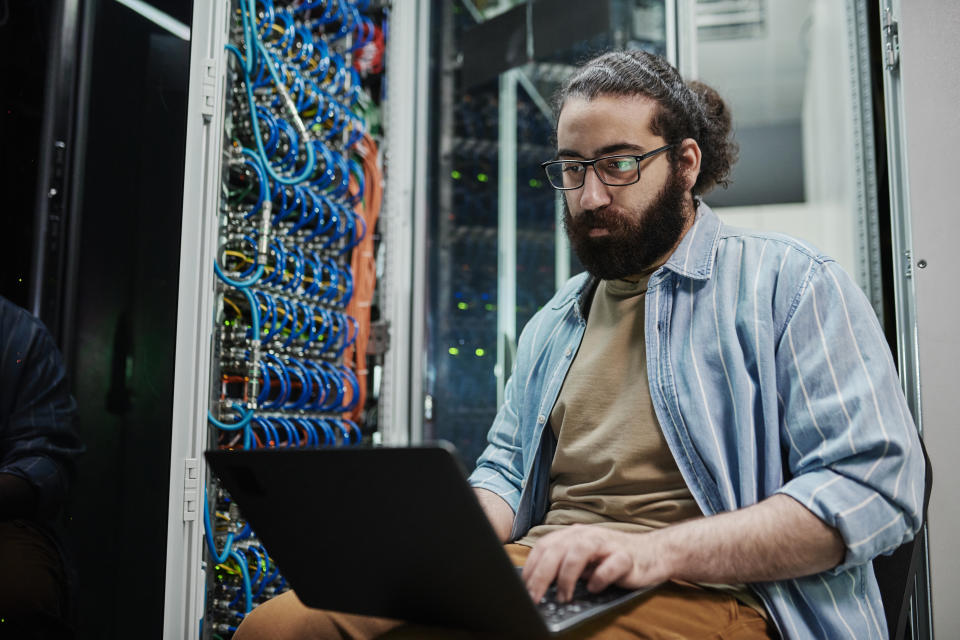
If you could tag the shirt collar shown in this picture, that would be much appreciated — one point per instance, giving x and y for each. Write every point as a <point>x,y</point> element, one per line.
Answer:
<point>695,255</point>
<point>693,258</point>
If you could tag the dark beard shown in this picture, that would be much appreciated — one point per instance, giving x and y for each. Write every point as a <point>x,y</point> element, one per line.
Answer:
<point>637,239</point>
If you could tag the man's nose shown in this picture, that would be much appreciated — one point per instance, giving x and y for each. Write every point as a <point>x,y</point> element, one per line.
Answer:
<point>594,194</point>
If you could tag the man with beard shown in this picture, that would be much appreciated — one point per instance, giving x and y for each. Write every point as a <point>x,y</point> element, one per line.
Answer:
<point>707,409</point>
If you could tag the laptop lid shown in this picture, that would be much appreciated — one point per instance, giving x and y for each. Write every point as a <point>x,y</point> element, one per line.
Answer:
<point>389,532</point>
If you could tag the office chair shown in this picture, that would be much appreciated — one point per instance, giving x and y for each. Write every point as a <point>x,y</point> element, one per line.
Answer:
<point>895,573</point>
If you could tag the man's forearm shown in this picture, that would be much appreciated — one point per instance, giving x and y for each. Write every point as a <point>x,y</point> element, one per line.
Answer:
<point>498,513</point>
<point>776,539</point>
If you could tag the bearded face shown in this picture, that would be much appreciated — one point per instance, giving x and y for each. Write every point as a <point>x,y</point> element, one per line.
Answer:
<point>613,242</point>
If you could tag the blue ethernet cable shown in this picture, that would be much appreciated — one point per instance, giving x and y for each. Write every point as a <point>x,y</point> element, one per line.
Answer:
<point>323,178</point>
<point>257,45</point>
<point>307,211</point>
<point>208,534</point>
<point>246,416</point>
<point>306,48</point>
<point>351,378</point>
<point>328,436</point>
<point>267,579</point>
<point>324,222</point>
<point>272,317</point>
<point>344,299</point>
<point>270,433</point>
<point>245,575</point>
<point>288,314</point>
<point>306,388</point>
<point>315,331</point>
<point>293,311</point>
<point>293,439</point>
<point>289,161</point>
<point>265,390</point>
<point>273,130</point>
<point>253,266</point>
<point>355,237</point>
<point>332,273</point>
<point>310,261</point>
<point>357,172</point>
<point>356,430</point>
<point>260,564</point>
<point>240,284</point>
<point>288,38</point>
<point>286,204</point>
<point>297,256</point>
<point>284,378</point>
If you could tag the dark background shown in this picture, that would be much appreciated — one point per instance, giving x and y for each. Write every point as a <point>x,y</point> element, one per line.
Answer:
<point>111,294</point>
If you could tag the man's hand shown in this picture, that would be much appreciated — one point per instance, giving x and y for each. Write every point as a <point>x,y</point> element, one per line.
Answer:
<point>601,556</point>
<point>776,539</point>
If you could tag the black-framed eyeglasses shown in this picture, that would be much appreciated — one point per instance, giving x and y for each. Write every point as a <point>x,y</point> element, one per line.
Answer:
<point>615,171</point>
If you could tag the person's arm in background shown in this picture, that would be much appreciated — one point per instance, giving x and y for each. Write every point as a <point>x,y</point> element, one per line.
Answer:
<point>38,439</point>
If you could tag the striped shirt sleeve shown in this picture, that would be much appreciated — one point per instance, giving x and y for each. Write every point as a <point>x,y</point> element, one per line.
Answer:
<point>854,457</point>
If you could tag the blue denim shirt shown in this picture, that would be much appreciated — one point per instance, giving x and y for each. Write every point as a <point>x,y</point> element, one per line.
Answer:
<point>769,373</point>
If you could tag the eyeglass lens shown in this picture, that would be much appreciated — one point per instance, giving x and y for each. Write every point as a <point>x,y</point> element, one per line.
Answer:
<point>615,170</point>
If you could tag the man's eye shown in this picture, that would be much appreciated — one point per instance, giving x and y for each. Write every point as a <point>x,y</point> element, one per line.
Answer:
<point>620,164</point>
<point>572,167</point>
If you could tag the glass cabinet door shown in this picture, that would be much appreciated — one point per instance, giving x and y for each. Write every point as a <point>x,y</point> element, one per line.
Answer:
<point>797,76</point>
<point>497,249</point>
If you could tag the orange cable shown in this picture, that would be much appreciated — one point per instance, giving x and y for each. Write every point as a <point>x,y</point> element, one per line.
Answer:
<point>363,265</point>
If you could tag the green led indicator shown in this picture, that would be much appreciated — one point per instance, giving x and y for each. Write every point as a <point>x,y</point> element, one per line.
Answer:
<point>453,351</point>
<point>535,183</point>
<point>489,307</point>
<point>462,306</point>
<point>482,177</point>
<point>456,175</point>
<point>480,353</point>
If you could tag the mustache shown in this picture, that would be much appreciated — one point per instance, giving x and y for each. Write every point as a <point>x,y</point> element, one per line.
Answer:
<point>603,217</point>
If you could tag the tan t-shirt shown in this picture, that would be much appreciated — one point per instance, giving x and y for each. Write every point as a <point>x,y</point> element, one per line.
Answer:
<point>612,466</point>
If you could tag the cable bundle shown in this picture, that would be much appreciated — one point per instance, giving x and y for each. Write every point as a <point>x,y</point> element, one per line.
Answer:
<point>295,265</point>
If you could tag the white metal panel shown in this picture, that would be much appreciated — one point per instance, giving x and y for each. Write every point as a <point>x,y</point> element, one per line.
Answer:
<point>184,585</point>
<point>404,221</point>
<point>506,231</point>
<point>931,93</point>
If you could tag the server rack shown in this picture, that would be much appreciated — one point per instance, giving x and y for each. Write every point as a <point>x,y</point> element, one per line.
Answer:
<point>278,240</point>
<point>498,249</point>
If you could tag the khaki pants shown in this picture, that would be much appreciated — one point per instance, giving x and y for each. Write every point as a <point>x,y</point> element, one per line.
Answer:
<point>672,611</point>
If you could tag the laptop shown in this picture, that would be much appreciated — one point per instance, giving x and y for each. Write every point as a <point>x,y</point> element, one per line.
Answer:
<point>394,533</point>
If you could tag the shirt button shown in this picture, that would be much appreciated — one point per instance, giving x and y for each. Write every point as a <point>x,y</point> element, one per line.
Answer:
<point>541,419</point>
<point>568,352</point>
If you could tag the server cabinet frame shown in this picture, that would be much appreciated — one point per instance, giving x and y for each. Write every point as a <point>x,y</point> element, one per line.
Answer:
<point>407,60</point>
<point>184,585</point>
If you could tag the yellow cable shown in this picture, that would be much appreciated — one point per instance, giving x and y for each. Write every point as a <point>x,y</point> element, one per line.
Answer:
<point>233,305</point>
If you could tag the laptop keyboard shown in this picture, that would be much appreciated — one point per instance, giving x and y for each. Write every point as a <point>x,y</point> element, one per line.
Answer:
<point>559,616</point>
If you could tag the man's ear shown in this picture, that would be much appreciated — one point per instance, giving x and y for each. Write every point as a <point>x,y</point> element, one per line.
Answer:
<point>688,163</point>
